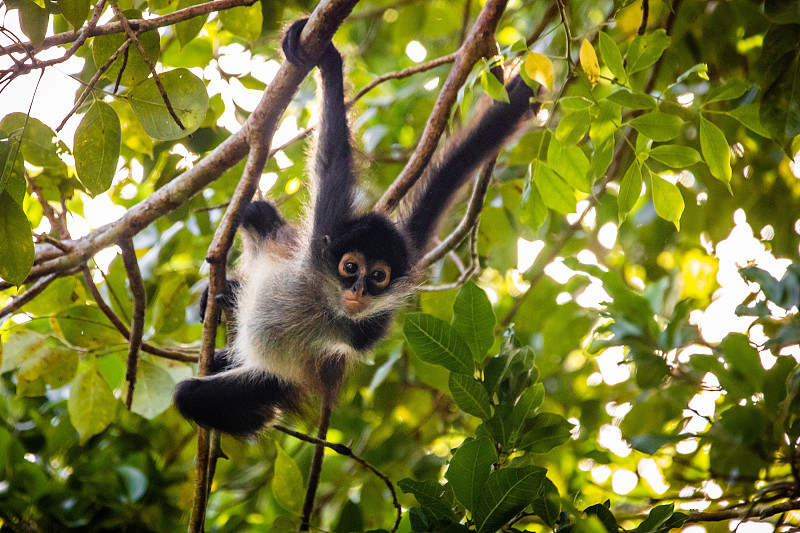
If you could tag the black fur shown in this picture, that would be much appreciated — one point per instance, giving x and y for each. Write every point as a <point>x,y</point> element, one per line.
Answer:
<point>376,237</point>
<point>262,218</point>
<point>226,299</point>
<point>235,402</point>
<point>363,334</point>
<point>462,157</point>
<point>240,401</point>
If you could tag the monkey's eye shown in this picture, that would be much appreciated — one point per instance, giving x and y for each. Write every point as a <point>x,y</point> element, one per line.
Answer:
<point>380,275</point>
<point>350,264</point>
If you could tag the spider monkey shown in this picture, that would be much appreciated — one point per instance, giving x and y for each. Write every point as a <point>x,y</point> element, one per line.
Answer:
<point>313,298</point>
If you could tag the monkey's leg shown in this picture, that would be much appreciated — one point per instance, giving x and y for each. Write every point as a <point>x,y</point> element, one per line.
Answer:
<point>240,401</point>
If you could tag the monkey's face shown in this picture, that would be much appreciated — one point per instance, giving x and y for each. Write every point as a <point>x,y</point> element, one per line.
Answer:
<point>369,257</point>
<point>361,280</point>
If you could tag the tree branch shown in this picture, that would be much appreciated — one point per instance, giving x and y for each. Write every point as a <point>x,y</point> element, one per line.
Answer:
<point>174,355</point>
<point>405,73</point>
<point>143,25</point>
<point>480,43</point>
<point>137,315</point>
<point>341,449</point>
<point>133,36</point>
<point>468,222</point>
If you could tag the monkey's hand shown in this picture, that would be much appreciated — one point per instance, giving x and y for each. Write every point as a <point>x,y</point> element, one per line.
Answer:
<point>226,299</point>
<point>295,54</point>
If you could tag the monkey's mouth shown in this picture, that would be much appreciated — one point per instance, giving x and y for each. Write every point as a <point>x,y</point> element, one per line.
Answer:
<point>354,303</point>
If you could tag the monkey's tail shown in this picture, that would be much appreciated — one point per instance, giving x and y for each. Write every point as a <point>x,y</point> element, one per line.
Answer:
<point>238,401</point>
<point>463,155</point>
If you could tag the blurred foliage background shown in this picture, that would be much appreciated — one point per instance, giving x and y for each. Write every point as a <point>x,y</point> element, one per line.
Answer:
<point>632,327</point>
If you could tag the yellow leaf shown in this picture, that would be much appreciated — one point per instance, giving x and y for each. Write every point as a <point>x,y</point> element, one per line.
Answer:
<point>589,62</point>
<point>539,68</point>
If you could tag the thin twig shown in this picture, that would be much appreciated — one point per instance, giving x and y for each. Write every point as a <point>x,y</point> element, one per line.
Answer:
<point>133,36</point>
<point>92,82</point>
<point>137,315</point>
<point>142,25</point>
<point>567,32</point>
<point>316,466</point>
<point>341,449</point>
<point>32,292</point>
<point>645,15</point>
<point>468,221</point>
<point>405,73</point>
<point>480,43</point>
<point>20,67</point>
<point>165,353</point>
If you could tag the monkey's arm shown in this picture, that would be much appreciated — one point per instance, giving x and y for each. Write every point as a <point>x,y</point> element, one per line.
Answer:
<point>463,156</point>
<point>333,165</point>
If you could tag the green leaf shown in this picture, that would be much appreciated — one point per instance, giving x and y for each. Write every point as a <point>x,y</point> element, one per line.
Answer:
<point>506,493</point>
<point>437,342</point>
<point>606,120</point>
<point>136,70</point>
<point>473,319</point>
<point>547,504</point>
<point>629,190</point>
<point>731,90</point>
<point>75,11</point>
<point>658,515</point>
<point>37,145</point>
<point>469,468</point>
<point>748,115</point>
<point>525,408</point>
<point>16,252</point>
<point>87,326</point>
<point>667,198</point>
<point>675,156</point>
<point>54,365</point>
<point>743,361</point>
<point>556,193</point>
<point>188,29</point>
<point>573,126</point>
<point>154,388</point>
<point>612,57</point>
<point>630,100</point>
<point>92,405</point>
<point>715,151</point>
<point>171,299</point>
<point>470,396</point>
<point>135,482</point>
<point>492,86</point>
<point>33,20</point>
<point>432,496</point>
<point>782,11</point>
<point>780,105</point>
<point>658,126</point>
<point>544,432</point>
<point>646,50</point>
<point>244,21</point>
<point>650,444</point>
<point>187,95</point>
<point>97,146</point>
<point>18,346</point>
<point>287,482</point>
<point>605,516</point>
<point>571,164</point>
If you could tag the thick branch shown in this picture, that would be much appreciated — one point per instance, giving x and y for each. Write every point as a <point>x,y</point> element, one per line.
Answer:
<point>480,43</point>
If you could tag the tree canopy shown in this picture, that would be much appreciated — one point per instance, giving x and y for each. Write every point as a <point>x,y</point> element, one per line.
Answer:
<point>607,334</point>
